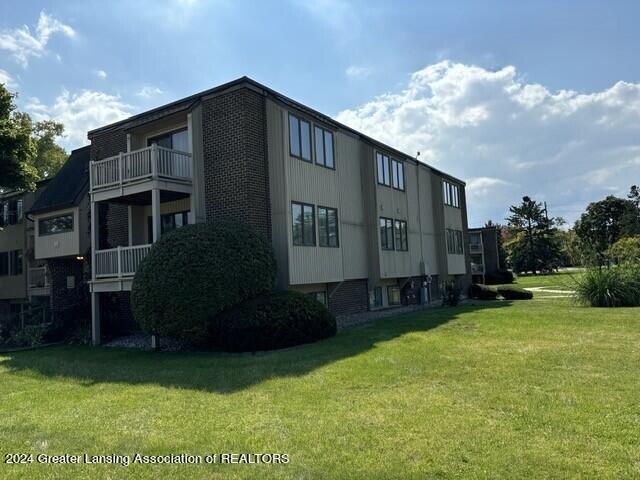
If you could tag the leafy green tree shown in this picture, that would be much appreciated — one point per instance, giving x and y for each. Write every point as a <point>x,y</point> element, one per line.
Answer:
<point>500,233</point>
<point>17,146</point>
<point>49,155</point>
<point>604,223</point>
<point>634,195</point>
<point>28,151</point>
<point>534,246</point>
<point>625,250</point>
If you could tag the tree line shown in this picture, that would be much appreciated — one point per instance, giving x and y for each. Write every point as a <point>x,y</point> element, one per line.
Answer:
<point>607,232</point>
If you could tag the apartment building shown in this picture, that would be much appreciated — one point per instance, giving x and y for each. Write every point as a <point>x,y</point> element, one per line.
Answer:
<point>60,218</point>
<point>24,280</point>
<point>484,253</point>
<point>353,222</point>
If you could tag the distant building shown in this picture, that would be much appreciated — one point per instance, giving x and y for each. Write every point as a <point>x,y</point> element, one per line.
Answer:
<point>484,252</point>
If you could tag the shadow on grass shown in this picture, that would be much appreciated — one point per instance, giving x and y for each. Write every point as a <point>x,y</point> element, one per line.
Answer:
<point>219,372</point>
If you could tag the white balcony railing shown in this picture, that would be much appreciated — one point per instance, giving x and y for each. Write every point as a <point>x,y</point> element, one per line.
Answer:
<point>120,261</point>
<point>475,248</point>
<point>38,277</point>
<point>150,162</point>
<point>477,269</point>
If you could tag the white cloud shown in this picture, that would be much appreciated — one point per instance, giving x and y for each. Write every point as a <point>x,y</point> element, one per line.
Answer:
<point>510,138</point>
<point>149,91</point>
<point>100,74</point>
<point>7,79</point>
<point>80,112</point>
<point>23,44</point>
<point>355,71</point>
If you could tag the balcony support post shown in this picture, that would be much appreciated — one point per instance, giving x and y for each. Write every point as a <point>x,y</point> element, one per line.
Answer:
<point>155,213</point>
<point>95,318</point>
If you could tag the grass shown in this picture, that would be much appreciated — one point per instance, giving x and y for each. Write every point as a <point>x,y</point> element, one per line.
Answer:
<point>531,389</point>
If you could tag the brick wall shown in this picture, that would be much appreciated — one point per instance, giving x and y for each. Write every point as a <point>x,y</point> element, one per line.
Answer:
<point>63,298</point>
<point>349,297</point>
<point>236,171</point>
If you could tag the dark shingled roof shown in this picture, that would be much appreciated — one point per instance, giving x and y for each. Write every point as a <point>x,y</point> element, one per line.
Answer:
<point>69,185</point>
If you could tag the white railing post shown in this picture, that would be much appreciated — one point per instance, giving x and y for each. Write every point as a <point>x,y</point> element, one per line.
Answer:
<point>120,167</point>
<point>154,160</point>
<point>119,253</point>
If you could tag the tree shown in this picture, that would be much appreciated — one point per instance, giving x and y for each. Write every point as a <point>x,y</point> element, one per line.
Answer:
<point>604,223</point>
<point>28,151</point>
<point>634,195</point>
<point>534,247</point>
<point>625,250</point>
<point>17,146</point>
<point>49,155</point>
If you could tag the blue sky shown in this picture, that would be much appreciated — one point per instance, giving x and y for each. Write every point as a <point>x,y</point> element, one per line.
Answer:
<point>538,98</point>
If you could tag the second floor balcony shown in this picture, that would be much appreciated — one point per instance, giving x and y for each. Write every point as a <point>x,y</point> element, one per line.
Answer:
<point>120,262</point>
<point>121,173</point>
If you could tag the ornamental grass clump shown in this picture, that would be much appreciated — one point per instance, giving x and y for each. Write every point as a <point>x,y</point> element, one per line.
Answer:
<point>616,286</point>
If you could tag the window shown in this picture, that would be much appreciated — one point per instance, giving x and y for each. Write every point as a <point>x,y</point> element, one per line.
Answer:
<point>397,170</point>
<point>402,242</point>
<point>386,233</point>
<point>320,296</point>
<point>393,295</point>
<point>11,212</point>
<point>328,227</point>
<point>176,140</point>
<point>16,262</point>
<point>451,194</point>
<point>454,242</point>
<point>377,297</point>
<point>299,138</point>
<point>168,222</point>
<point>383,169</point>
<point>4,264</point>
<point>324,147</point>
<point>303,223</point>
<point>53,225</point>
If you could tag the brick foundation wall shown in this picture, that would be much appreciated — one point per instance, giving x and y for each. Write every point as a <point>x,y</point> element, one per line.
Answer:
<point>236,170</point>
<point>64,299</point>
<point>349,297</point>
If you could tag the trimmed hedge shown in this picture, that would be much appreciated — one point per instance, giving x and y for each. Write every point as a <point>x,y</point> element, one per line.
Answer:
<point>482,292</point>
<point>511,292</point>
<point>195,272</point>
<point>276,320</point>
<point>499,278</point>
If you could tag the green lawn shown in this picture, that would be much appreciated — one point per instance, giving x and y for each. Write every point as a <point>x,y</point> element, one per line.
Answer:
<point>535,389</point>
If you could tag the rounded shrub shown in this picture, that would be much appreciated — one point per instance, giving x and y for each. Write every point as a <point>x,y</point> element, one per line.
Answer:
<point>482,292</point>
<point>276,320</point>
<point>511,292</point>
<point>499,277</point>
<point>195,272</point>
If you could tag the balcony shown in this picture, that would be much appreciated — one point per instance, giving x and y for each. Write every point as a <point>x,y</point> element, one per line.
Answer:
<point>477,269</point>
<point>131,172</point>
<point>120,262</point>
<point>38,282</point>
<point>475,248</point>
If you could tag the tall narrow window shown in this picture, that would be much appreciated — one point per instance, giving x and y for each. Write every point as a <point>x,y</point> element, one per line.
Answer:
<point>303,224</point>
<point>324,147</point>
<point>328,227</point>
<point>402,243</point>
<point>382,162</point>
<point>299,138</point>
<point>16,262</point>
<point>397,170</point>
<point>386,233</point>
<point>4,263</point>
<point>451,194</point>
<point>19,211</point>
